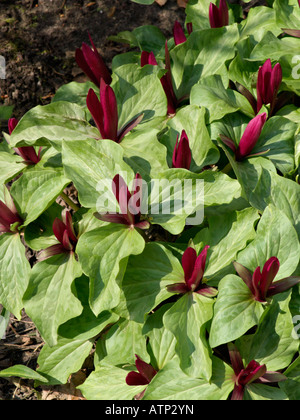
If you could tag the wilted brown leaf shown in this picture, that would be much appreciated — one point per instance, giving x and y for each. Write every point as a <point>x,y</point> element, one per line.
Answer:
<point>182,3</point>
<point>161,2</point>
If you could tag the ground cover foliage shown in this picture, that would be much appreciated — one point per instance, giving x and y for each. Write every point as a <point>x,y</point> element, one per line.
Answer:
<point>173,308</point>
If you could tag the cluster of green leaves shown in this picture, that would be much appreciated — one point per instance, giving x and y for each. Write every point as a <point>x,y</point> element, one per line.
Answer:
<point>112,291</point>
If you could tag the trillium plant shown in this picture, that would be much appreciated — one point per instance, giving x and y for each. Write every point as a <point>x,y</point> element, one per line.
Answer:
<point>160,201</point>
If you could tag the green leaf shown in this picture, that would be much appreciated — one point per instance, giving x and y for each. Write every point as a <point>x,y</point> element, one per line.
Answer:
<point>263,392</point>
<point>192,119</point>
<point>125,335</point>
<point>24,372</point>
<point>103,256</point>
<point>277,237</point>
<point>179,193</point>
<point>235,311</point>
<point>107,382</point>
<point>278,135</point>
<point>87,325</point>
<point>92,165</point>
<point>203,54</point>
<point>235,228</point>
<point>147,37</point>
<point>210,93</point>
<point>10,166</point>
<point>14,273</point>
<point>273,343</point>
<point>49,300</point>
<point>39,234</point>
<point>161,341</point>
<point>146,277</point>
<point>259,21</point>
<point>287,13</point>
<point>171,383</point>
<point>143,1</point>
<point>186,319</point>
<point>57,363</point>
<point>138,91</point>
<point>50,124</point>
<point>272,47</point>
<point>291,385</point>
<point>144,153</point>
<point>37,189</point>
<point>74,92</point>
<point>6,111</point>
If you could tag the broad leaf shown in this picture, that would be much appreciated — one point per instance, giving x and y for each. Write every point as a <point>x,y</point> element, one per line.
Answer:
<point>107,382</point>
<point>146,277</point>
<point>14,273</point>
<point>171,383</point>
<point>92,166</point>
<point>103,256</point>
<point>187,319</point>
<point>50,124</point>
<point>49,300</point>
<point>235,311</point>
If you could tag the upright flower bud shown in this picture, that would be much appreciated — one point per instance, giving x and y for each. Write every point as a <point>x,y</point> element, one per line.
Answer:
<point>182,155</point>
<point>218,16</point>
<point>92,64</point>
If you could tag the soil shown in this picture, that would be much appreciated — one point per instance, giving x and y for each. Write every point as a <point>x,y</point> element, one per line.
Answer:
<point>38,39</point>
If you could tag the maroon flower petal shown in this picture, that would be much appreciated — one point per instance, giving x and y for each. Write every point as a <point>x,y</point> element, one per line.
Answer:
<point>110,111</point>
<point>144,224</point>
<point>189,27</point>
<point>121,192</point>
<point>67,219</point>
<point>28,153</point>
<point>244,274</point>
<point>145,369</point>
<point>178,288</point>
<point>235,358</point>
<point>223,10</point>
<point>101,66</point>
<point>112,218</point>
<point>250,136</point>
<point>251,373</point>
<point>248,95</point>
<point>148,58</point>
<point>66,241</point>
<point>178,34</point>
<point>226,140</point>
<point>268,274</point>
<point>188,262</point>
<point>12,123</point>
<point>58,228</point>
<point>238,392</point>
<point>95,108</point>
<point>195,280</point>
<point>282,285</point>
<point>128,127</point>
<point>49,252</point>
<point>271,377</point>
<point>182,155</point>
<point>206,290</point>
<point>135,379</point>
<point>81,62</point>
<point>292,32</point>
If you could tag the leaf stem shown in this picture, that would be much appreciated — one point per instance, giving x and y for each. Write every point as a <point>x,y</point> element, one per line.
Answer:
<point>69,201</point>
<point>227,168</point>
